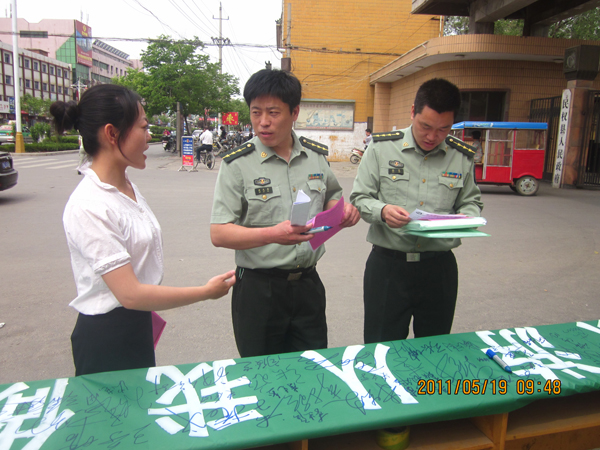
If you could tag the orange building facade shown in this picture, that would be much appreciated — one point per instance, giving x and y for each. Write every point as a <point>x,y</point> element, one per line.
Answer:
<point>334,48</point>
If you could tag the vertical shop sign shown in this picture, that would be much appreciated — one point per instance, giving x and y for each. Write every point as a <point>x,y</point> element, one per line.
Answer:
<point>561,139</point>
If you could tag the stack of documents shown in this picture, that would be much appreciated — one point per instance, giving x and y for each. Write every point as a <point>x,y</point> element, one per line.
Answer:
<point>447,227</point>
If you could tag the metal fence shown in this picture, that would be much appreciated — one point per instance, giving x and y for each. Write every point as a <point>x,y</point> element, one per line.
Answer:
<point>590,162</point>
<point>547,110</point>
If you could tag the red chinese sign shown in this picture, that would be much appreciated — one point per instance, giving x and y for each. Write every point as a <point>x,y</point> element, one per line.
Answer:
<point>230,118</point>
<point>83,37</point>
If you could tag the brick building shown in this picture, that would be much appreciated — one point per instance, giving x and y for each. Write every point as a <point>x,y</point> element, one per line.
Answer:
<point>498,76</point>
<point>361,63</point>
<point>40,76</point>
<point>70,41</point>
<point>334,47</point>
<point>108,62</point>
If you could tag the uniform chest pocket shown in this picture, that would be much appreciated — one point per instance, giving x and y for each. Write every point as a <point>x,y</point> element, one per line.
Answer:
<point>448,189</point>
<point>393,187</point>
<point>264,206</point>
<point>316,191</point>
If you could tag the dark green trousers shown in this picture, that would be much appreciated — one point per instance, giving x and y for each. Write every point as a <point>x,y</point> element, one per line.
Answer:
<point>396,291</point>
<point>272,314</point>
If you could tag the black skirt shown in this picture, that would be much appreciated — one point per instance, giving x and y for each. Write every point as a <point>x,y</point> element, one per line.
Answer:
<point>118,340</point>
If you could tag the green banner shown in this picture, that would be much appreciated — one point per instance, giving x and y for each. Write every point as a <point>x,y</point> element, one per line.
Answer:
<point>248,402</point>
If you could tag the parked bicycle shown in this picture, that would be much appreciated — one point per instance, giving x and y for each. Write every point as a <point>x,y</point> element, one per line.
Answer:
<point>219,148</point>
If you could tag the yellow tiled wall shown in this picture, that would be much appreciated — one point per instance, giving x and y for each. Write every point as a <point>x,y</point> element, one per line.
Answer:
<point>334,44</point>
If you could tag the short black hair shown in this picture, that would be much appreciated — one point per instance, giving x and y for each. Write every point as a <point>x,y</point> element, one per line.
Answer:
<point>368,130</point>
<point>99,105</point>
<point>476,134</point>
<point>439,95</point>
<point>276,83</point>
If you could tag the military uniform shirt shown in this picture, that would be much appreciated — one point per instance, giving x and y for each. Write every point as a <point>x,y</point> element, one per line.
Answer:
<point>398,172</point>
<point>258,189</point>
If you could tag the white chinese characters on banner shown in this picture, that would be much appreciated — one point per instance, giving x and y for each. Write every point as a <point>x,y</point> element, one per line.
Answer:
<point>19,408</point>
<point>348,375</point>
<point>194,407</point>
<point>538,360</point>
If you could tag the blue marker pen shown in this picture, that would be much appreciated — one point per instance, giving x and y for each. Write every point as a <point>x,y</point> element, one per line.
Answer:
<point>497,360</point>
<point>318,230</point>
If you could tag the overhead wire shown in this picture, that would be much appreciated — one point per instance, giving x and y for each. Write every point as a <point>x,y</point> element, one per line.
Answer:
<point>210,24</point>
<point>156,17</point>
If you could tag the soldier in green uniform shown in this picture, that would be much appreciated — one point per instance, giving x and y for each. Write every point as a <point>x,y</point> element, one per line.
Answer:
<point>278,304</point>
<point>409,277</point>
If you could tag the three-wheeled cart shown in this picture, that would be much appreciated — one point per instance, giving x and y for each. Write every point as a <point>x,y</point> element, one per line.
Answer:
<point>513,152</point>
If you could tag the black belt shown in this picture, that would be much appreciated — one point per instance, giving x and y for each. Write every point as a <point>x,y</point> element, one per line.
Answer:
<point>408,257</point>
<point>290,275</point>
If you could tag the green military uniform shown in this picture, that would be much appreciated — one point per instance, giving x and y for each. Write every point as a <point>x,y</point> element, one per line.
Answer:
<point>256,188</point>
<point>394,170</point>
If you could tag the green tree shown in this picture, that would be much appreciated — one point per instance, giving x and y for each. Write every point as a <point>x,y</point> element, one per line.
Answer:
<point>582,26</point>
<point>176,71</point>
<point>509,27</point>
<point>456,25</point>
<point>36,106</point>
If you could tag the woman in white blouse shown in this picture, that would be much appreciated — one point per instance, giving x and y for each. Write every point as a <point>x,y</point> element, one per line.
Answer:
<point>114,238</point>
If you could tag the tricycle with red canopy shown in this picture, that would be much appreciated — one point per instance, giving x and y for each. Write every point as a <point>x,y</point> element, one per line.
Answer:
<point>511,153</point>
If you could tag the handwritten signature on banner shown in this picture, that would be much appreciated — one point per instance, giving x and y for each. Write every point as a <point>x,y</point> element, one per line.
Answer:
<point>276,378</point>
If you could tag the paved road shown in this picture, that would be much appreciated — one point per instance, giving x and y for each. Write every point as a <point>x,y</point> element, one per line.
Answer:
<point>540,266</point>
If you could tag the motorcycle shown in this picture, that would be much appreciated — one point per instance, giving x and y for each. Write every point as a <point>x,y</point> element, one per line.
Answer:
<point>169,144</point>
<point>356,155</point>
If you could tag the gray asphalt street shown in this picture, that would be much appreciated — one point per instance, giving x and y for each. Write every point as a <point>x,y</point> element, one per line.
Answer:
<point>541,264</point>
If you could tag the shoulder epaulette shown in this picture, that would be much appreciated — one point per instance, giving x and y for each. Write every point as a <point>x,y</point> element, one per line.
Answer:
<point>236,152</point>
<point>389,136</point>
<point>459,145</point>
<point>314,146</point>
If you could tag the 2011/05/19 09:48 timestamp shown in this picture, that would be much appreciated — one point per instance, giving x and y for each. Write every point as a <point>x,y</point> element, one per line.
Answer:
<point>480,387</point>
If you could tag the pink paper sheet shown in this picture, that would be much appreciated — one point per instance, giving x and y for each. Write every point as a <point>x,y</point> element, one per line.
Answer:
<point>331,218</point>
<point>158,325</point>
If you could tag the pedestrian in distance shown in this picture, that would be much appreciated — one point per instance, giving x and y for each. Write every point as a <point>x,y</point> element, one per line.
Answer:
<point>278,303</point>
<point>114,239</point>
<point>206,142</point>
<point>478,148</point>
<point>367,140</point>
<point>409,277</point>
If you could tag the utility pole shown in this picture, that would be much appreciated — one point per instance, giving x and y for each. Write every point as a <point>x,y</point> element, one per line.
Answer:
<point>286,62</point>
<point>220,42</point>
<point>19,143</point>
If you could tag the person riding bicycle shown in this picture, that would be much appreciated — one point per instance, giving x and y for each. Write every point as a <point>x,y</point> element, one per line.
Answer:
<point>206,141</point>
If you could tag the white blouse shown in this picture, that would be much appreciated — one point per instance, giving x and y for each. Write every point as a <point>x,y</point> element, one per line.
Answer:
<point>106,230</point>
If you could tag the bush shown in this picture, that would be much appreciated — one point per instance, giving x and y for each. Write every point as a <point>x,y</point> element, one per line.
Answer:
<point>46,146</point>
<point>155,129</point>
<point>63,139</point>
<point>39,130</point>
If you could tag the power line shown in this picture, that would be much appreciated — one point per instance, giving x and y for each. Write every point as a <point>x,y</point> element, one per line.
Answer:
<point>209,44</point>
